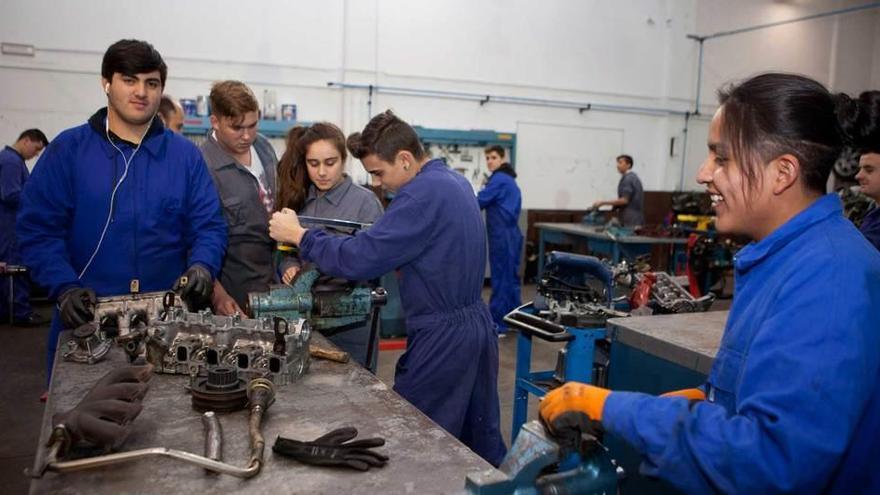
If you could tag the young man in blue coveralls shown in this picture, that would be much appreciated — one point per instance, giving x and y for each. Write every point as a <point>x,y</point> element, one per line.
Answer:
<point>792,403</point>
<point>120,204</point>
<point>502,201</point>
<point>433,233</point>
<point>13,175</point>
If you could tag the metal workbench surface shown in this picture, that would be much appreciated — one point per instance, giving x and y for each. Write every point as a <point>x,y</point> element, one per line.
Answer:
<point>690,340</point>
<point>599,232</point>
<point>424,457</point>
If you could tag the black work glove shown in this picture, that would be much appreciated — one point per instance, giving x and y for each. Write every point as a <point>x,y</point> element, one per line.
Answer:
<point>77,306</point>
<point>195,286</point>
<point>332,450</point>
<point>103,417</point>
<point>575,431</point>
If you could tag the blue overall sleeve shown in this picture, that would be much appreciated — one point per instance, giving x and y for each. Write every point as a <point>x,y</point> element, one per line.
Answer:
<point>44,221</point>
<point>800,390</point>
<point>206,233</point>
<point>490,193</point>
<point>10,183</point>
<point>395,239</point>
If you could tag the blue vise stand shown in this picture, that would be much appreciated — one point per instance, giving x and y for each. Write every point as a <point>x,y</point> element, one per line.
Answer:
<point>563,311</point>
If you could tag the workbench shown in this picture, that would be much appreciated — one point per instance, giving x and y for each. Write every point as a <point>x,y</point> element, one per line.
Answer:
<point>424,457</point>
<point>599,241</point>
<point>654,355</point>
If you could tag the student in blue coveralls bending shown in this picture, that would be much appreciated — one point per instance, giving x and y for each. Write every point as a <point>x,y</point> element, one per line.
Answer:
<point>433,233</point>
<point>864,130</point>
<point>502,201</point>
<point>120,203</point>
<point>792,403</point>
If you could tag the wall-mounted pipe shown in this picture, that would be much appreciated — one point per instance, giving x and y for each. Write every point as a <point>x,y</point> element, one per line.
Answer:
<point>722,34</point>
<point>512,100</point>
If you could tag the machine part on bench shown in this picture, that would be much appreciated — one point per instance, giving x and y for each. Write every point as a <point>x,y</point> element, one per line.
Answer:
<point>220,391</point>
<point>192,343</point>
<point>124,313</point>
<point>524,470</point>
<point>324,309</point>
<point>668,296</point>
<point>261,395</point>
<point>88,345</point>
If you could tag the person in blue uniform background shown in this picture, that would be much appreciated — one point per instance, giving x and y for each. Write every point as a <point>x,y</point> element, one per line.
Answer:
<point>863,129</point>
<point>434,234</point>
<point>13,175</point>
<point>792,403</point>
<point>121,203</point>
<point>502,201</point>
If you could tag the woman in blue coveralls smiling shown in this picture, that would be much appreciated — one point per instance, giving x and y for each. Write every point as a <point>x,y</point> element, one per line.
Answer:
<point>792,403</point>
<point>434,234</point>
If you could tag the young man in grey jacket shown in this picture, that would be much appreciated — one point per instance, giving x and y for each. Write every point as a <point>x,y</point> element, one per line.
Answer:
<point>242,164</point>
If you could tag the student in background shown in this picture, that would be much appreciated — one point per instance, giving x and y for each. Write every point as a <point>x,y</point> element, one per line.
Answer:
<point>863,129</point>
<point>171,114</point>
<point>242,163</point>
<point>630,195</point>
<point>13,175</point>
<point>312,181</point>
<point>502,201</point>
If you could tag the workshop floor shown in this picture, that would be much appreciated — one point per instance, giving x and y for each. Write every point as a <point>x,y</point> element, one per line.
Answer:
<point>23,380</point>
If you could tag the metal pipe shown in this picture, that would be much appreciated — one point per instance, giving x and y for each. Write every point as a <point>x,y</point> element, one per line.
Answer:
<point>684,150</point>
<point>847,10</point>
<point>261,393</point>
<point>213,436</point>
<point>699,78</point>
<point>732,32</point>
<point>516,100</point>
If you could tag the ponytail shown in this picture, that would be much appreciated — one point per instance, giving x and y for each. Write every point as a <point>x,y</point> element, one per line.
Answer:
<point>859,121</point>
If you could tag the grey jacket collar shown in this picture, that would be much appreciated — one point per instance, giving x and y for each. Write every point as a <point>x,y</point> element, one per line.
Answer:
<point>335,195</point>
<point>217,158</point>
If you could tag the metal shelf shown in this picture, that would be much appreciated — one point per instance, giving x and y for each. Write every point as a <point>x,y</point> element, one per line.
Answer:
<point>199,126</point>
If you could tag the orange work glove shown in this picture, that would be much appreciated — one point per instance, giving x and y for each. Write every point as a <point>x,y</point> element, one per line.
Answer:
<point>691,394</point>
<point>572,410</point>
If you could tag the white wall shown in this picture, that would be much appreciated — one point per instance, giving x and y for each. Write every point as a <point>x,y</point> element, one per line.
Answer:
<point>837,51</point>
<point>628,52</point>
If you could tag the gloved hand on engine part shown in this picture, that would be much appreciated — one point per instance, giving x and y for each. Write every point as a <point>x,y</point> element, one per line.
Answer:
<point>334,449</point>
<point>572,410</point>
<point>77,307</point>
<point>103,417</point>
<point>195,287</point>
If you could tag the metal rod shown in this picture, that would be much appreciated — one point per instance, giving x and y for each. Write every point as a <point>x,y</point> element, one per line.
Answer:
<point>213,436</point>
<point>847,10</point>
<point>333,222</point>
<point>261,393</point>
<point>699,78</point>
<point>516,100</point>
<point>684,150</point>
<point>721,34</point>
